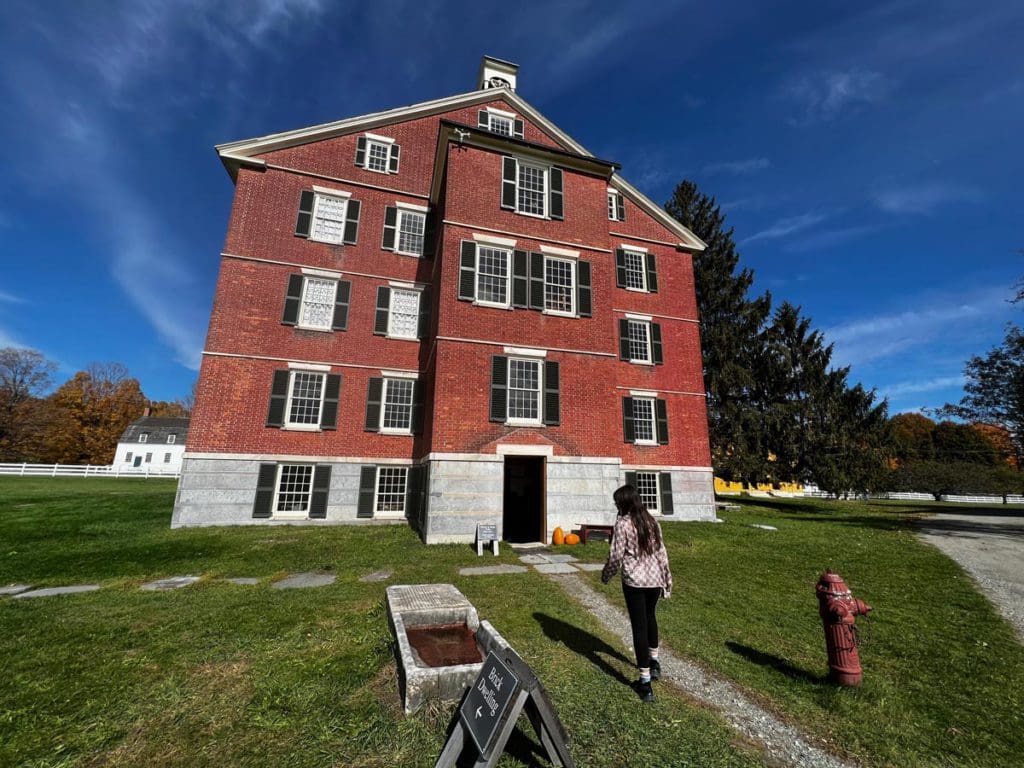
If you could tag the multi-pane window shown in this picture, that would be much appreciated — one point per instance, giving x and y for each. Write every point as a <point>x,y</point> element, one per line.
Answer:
<point>404,315</point>
<point>639,341</point>
<point>647,488</point>
<point>128,456</point>
<point>295,482</point>
<point>317,309</point>
<point>613,200</point>
<point>636,273</point>
<point>167,458</point>
<point>643,419</point>
<point>391,490</point>
<point>305,398</point>
<point>171,439</point>
<point>523,390</point>
<point>411,226</point>
<point>329,218</point>
<point>559,291</point>
<point>397,412</point>
<point>149,457</point>
<point>378,155</point>
<point>492,275</point>
<point>500,124</point>
<point>533,182</point>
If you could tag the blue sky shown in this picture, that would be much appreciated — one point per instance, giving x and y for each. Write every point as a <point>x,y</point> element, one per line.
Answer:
<point>868,155</point>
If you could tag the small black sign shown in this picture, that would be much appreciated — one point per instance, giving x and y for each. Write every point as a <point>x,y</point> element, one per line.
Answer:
<point>486,532</point>
<point>483,707</point>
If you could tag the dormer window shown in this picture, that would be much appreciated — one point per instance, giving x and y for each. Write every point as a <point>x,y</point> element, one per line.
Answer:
<point>144,437</point>
<point>616,208</point>
<point>500,122</point>
<point>377,153</point>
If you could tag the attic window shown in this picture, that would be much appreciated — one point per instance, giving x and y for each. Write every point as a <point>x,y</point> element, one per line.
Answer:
<point>144,437</point>
<point>377,153</point>
<point>500,122</point>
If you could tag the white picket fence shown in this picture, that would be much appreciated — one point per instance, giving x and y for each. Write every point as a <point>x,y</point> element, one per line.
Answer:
<point>83,470</point>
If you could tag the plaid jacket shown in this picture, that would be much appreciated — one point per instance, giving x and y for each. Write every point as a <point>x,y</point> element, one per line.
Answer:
<point>638,570</point>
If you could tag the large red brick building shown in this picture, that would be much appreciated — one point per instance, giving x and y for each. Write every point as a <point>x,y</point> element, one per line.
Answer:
<point>450,313</point>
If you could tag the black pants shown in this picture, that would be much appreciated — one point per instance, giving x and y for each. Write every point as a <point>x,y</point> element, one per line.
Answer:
<point>641,603</point>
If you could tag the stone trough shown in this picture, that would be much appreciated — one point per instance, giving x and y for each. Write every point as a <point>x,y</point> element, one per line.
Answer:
<point>441,642</point>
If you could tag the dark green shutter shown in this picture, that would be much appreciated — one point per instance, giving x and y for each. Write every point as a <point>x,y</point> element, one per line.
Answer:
<point>537,281</point>
<point>292,300</point>
<point>584,300</point>
<point>628,422</point>
<point>423,327</point>
<point>361,151</point>
<point>509,168</point>
<point>665,480</point>
<point>413,497</point>
<point>321,490</point>
<point>430,234</point>
<point>265,482</point>
<point>390,228</point>
<point>517,130</point>
<point>661,416</point>
<point>332,393</point>
<point>656,354</point>
<point>305,219</point>
<point>557,207</point>
<point>520,279</point>
<point>499,388</point>
<point>341,302</point>
<point>552,394</point>
<point>393,159</point>
<point>620,268</point>
<point>652,272</point>
<point>624,340</point>
<point>467,271</point>
<point>380,319</point>
<point>620,208</point>
<point>631,479</point>
<point>351,222</point>
<point>367,490</point>
<point>278,399</point>
<point>417,407</point>
<point>374,392</point>
<point>483,120</point>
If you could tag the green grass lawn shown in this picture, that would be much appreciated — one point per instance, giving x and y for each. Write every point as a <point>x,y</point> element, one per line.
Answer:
<point>217,674</point>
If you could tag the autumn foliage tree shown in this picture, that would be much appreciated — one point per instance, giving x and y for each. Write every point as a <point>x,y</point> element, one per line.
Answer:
<point>25,375</point>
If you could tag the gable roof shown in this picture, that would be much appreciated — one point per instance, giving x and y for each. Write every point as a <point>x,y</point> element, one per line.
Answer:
<point>157,429</point>
<point>245,152</point>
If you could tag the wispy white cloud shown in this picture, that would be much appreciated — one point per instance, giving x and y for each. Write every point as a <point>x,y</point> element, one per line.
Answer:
<point>829,238</point>
<point>824,96</point>
<point>924,198</point>
<point>788,226</point>
<point>738,167</point>
<point>10,298</point>
<point>917,386</point>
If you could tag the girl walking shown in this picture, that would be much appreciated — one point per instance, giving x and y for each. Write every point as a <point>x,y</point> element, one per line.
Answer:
<point>639,550</point>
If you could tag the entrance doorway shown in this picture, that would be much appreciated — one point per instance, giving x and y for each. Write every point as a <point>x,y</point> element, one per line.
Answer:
<point>524,515</point>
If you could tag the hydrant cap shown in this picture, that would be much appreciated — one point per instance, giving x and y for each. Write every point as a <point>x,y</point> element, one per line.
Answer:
<point>831,582</point>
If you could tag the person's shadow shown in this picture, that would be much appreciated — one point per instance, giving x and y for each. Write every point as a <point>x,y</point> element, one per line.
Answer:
<point>594,649</point>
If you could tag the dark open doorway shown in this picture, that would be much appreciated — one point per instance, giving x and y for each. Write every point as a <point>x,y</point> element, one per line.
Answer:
<point>524,515</point>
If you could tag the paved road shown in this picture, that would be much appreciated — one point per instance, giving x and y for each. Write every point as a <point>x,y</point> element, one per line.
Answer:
<point>990,547</point>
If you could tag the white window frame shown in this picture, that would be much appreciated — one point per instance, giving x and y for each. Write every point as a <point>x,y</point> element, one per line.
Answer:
<point>388,381</point>
<point>380,141</point>
<point>613,204</point>
<point>149,458</point>
<point>572,287</point>
<point>143,437</point>
<point>656,510</point>
<point>172,439</point>
<point>649,360</point>
<point>643,270</point>
<point>288,425</point>
<point>318,196</point>
<point>391,312</point>
<point>654,422</point>
<point>128,457</point>
<point>167,458</point>
<point>402,213</point>
<point>302,303</point>
<point>546,169</point>
<point>390,514</point>
<point>517,421</point>
<point>508,277</point>
<point>292,514</point>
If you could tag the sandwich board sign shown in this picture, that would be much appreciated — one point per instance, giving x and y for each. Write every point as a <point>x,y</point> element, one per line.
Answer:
<point>486,532</point>
<point>490,710</point>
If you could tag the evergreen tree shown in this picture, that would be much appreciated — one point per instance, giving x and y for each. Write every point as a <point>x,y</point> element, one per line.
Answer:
<point>731,324</point>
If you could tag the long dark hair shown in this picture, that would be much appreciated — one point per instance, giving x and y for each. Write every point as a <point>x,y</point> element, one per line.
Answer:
<point>628,502</point>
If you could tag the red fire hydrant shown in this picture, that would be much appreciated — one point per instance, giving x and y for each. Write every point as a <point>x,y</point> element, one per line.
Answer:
<point>839,609</point>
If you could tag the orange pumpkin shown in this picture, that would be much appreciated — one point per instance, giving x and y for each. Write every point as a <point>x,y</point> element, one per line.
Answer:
<point>558,537</point>
<point>571,539</point>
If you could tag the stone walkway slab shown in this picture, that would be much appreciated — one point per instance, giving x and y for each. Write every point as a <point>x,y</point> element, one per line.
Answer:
<point>554,568</point>
<point>488,570</point>
<point>48,591</point>
<point>302,580</point>
<point>174,582</point>
<point>560,558</point>
<point>533,559</point>
<point>590,566</point>
<point>15,589</point>
<point>244,581</point>
<point>376,576</point>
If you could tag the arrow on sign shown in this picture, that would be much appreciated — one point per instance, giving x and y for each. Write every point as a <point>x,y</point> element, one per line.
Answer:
<point>478,711</point>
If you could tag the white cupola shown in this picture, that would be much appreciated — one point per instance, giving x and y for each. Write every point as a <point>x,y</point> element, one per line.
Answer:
<point>495,73</point>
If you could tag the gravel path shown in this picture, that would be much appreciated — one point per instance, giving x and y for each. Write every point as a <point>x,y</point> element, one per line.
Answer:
<point>991,548</point>
<point>783,743</point>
